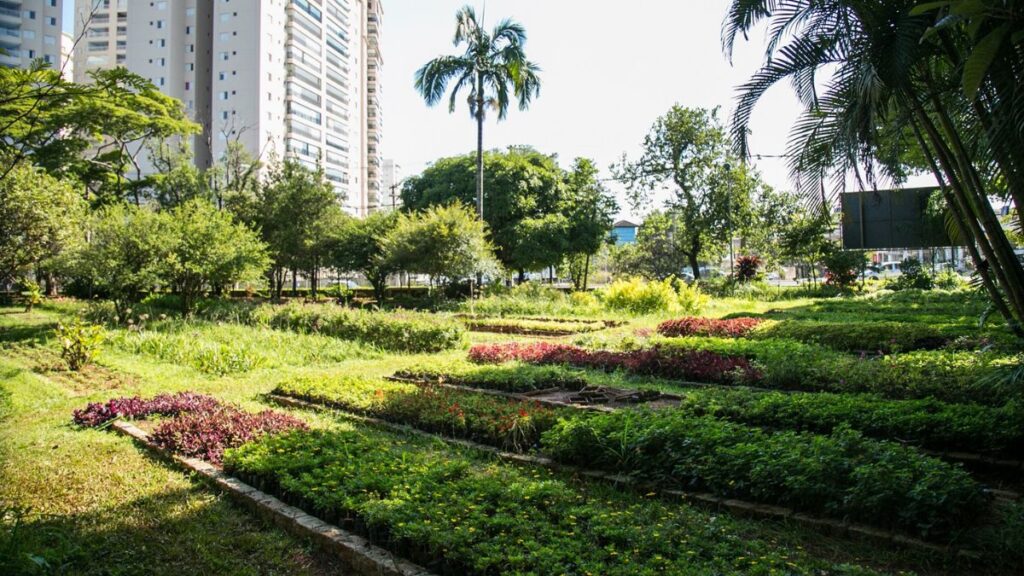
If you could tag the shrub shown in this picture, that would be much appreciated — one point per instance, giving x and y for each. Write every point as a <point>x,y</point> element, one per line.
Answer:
<point>697,326</point>
<point>747,268</point>
<point>501,422</point>
<point>842,268</point>
<point>638,296</point>
<point>948,279</point>
<point>394,331</point>
<point>912,276</point>
<point>701,366</point>
<point>79,342</point>
<point>32,295</point>
<point>188,348</point>
<point>841,475</point>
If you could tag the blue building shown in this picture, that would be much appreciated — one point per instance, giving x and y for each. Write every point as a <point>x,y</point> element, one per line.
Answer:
<point>625,232</point>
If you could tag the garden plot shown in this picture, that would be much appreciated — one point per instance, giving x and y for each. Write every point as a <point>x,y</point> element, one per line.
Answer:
<point>533,326</point>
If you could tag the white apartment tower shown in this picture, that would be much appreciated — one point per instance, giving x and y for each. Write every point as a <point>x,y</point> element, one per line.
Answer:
<point>30,30</point>
<point>286,78</point>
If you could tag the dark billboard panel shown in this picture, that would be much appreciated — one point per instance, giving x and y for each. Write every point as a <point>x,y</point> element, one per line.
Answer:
<point>894,219</point>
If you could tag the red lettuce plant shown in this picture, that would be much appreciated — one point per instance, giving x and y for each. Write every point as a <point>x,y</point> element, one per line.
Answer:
<point>696,326</point>
<point>700,365</point>
<point>207,433</point>
<point>96,414</point>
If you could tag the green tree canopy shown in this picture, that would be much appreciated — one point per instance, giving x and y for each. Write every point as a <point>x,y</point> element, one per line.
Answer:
<point>660,250</point>
<point>689,149</point>
<point>40,217</point>
<point>359,246</point>
<point>590,210</point>
<point>523,184</point>
<point>448,243</point>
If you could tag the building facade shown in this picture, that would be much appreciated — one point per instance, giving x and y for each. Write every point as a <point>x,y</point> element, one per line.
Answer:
<point>391,183</point>
<point>31,30</point>
<point>285,78</point>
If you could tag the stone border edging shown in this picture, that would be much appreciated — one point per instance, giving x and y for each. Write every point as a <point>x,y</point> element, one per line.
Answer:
<point>740,508</point>
<point>357,553</point>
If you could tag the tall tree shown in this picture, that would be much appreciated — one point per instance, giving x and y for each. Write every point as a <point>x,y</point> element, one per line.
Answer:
<point>444,242</point>
<point>589,208</point>
<point>359,246</point>
<point>689,148</point>
<point>524,184</point>
<point>492,65</point>
<point>659,251</point>
<point>948,73</point>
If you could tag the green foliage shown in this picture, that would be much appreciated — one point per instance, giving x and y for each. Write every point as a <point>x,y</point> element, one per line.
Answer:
<point>393,331</point>
<point>444,242</point>
<point>912,277</point>
<point>851,336</point>
<point>79,342</point>
<point>659,250</point>
<point>843,267</point>
<point>957,377</point>
<point>925,422</point>
<point>639,297</point>
<point>442,507</point>
<point>689,148</point>
<point>40,218</point>
<point>32,295</point>
<point>589,207</point>
<point>841,475</point>
<point>804,238</point>
<point>358,246</point>
<point>209,252</point>
<point>511,377</point>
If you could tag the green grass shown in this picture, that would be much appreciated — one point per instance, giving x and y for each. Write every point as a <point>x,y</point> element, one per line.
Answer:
<point>94,503</point>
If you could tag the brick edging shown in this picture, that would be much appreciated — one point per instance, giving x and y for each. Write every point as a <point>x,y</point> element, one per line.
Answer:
<point>356,552</point>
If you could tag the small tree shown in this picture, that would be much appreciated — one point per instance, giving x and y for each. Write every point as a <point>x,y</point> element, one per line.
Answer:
<point>444,242</point>
<point>123,259</point>
<point>804,239</point>
<point>359,246</point>
<point>589,208</point>
<point>208,250</point>
<point>842,267</point>
<point>39,217</point>
<point>660,250</point>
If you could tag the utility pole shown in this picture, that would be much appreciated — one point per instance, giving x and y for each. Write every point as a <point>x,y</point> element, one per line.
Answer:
<point>728,217</point>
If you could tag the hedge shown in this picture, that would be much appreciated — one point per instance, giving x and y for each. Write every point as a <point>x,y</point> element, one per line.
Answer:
<point>393,331</point>
<point>871,337</point>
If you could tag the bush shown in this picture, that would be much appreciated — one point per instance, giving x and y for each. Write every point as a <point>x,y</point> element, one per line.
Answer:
<point>842,475</point>
<point>912,277</point>
<point>701,366</point>
<point>948,279</point>
<point>508,424</point>
<point>747,268</point>
<point>97,414</point>
<point>394,331</point>
<point>79,342</point>
<point>842,268</point>
<point>697,326</point>
<point>638,296</point>
<point>520,378</point>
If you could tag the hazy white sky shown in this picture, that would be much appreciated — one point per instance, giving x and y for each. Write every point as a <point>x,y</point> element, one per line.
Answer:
<point>609,69</point>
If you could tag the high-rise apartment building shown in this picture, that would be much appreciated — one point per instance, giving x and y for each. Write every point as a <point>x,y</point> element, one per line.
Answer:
<point>391,185</point>
<point>285,78</point>
<point>30,30</point>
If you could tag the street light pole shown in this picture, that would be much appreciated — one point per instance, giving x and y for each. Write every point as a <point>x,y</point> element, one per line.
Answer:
<point>728,217</point>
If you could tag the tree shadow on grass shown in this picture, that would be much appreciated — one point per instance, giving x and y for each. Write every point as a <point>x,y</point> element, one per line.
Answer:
<point>27,334</point>
<point>176,532</point>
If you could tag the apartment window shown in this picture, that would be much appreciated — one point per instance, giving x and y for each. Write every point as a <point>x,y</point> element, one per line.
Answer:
<point>163,42</point>
<point>52,21</point>
<point>162,5</point>
<point>188,86</point>
<point>188,30</point>
<point>29,34</point>
<point>223,95</point>
<point>30,14</point>
<point>162,81</point>
<point>159,23</point>
<point>221,76</point>
<point>224,115</point>
<point>223,56</point>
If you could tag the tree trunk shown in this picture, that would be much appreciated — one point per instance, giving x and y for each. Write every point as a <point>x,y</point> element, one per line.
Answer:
<point>480,147</point>
<point>694,265</point>
<point>295,283</point>
<point>586,272</point>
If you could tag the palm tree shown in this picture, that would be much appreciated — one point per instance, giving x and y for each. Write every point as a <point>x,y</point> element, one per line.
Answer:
<point>492,66</point>
<point>879,77</point>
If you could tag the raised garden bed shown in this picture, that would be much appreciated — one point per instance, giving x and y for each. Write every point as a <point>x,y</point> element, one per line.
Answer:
<point>531,326</point>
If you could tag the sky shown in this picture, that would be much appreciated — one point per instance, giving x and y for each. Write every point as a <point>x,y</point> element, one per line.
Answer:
<point>609,69</point>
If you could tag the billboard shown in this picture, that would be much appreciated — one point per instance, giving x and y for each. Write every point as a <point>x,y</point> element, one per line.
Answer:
<point>894,219</point>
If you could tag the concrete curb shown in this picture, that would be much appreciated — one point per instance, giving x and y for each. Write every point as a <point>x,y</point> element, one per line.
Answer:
<point>357,553</point>
<point>705,500</point>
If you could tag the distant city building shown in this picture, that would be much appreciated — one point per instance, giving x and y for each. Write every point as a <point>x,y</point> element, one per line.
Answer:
<point>625,232</point>
<point>391,182</point>
<point>30,30</point>
<point>67,58</point>
<point>286,78</point>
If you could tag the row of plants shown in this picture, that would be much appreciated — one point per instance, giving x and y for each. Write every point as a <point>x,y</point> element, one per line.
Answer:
<point>956,376</point>
<point>869,337</point>
<point>697,365</point>
<point>508,424</point>
<point>456,514</point>
<point>195,425</point>
<point>842,475</point>
<point>399,331</point>
<point>927,422</point>
<point>632,296</point>
<point>530,326</point>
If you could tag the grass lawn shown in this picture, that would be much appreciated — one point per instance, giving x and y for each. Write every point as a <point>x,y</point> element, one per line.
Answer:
<point>90,502</point>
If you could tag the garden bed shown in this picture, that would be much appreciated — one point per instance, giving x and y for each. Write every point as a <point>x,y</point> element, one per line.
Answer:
<point>532,326</point>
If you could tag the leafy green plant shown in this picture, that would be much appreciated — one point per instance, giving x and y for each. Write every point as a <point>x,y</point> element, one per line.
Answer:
<point>638,296</point>
<point>842,267</point>
<point>32,295</point>
<point>79,342</point>
<point>871,337</point>
<point>912,276</point>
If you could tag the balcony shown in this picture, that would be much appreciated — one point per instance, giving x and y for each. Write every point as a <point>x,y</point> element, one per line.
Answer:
<point>11,60</point>
<point>10,16</point>
<point>10,37</point>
